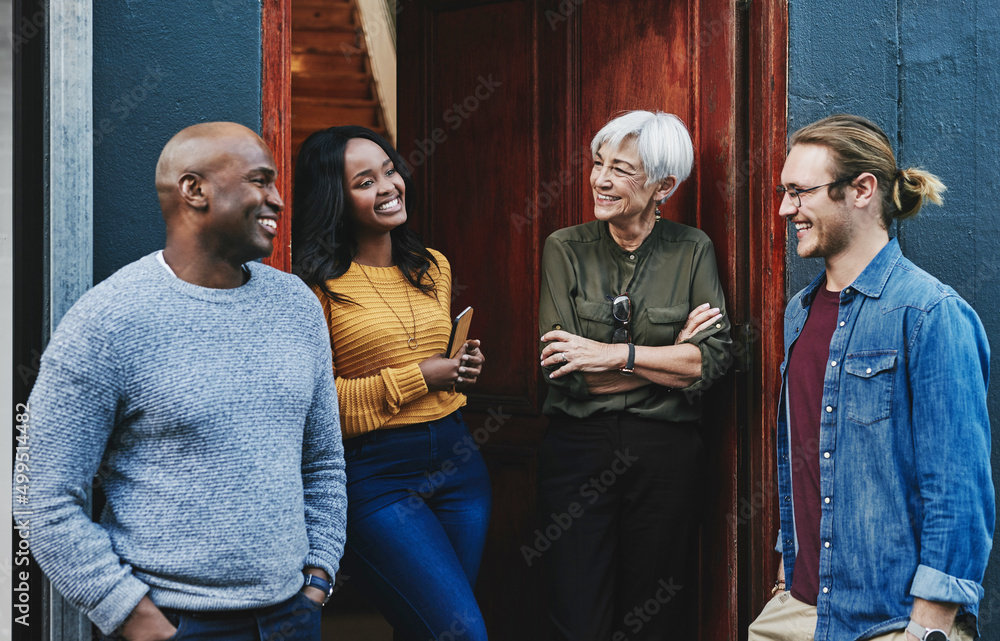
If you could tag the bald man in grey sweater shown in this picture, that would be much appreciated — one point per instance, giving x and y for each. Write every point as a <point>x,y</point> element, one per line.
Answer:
<point>196,386</point>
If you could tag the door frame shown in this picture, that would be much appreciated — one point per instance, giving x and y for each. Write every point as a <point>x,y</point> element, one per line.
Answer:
<point>276,112</point>
<point>767,141</point>
<point>764,39</point>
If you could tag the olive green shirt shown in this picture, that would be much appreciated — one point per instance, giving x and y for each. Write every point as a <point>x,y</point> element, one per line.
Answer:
<point>671,273</point>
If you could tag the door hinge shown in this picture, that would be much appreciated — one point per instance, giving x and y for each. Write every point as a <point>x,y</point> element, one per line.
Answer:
<point>743,346</point>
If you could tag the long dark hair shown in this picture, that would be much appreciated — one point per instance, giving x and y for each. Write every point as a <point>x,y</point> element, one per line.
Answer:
<point>324,235</point>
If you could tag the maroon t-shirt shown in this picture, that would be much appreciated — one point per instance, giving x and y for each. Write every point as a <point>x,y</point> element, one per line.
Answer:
<point>807,365</point>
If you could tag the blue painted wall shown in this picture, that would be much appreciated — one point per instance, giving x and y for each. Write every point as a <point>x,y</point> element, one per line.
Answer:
<point>157,69</point>
<point>926,72</point>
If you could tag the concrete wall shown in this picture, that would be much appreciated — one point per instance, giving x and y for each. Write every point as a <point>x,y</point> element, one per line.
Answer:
<point>159,67</point>
<point>926,72</point>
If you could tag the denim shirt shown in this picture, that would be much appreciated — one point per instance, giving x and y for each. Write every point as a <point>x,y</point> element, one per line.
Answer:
<point>904,451</point>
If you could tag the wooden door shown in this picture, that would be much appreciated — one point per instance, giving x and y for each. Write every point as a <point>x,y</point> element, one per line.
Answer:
<point>498,100</point>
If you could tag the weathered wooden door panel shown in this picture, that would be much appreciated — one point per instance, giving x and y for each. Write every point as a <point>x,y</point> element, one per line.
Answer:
<point>498,102</point>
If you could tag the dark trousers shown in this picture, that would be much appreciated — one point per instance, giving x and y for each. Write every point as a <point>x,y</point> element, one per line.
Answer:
<point>297,619</point>
<point>618,524</point>
<point>417,514</point>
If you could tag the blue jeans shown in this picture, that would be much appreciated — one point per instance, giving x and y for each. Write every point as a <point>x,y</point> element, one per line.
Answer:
<point>418,509</point>
<point>297,619</point>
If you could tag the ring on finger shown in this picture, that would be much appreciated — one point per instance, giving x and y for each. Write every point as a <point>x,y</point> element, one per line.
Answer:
<point>564,358</point>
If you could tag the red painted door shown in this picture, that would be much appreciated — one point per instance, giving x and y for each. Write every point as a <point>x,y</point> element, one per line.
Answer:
<point>497,103</point>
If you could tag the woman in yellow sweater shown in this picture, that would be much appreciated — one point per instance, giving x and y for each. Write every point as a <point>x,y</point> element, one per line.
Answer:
<point>418,495</point>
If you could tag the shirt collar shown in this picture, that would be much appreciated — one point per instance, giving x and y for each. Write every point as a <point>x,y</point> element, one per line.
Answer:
<point>163,261</point>
<point>869,282</point>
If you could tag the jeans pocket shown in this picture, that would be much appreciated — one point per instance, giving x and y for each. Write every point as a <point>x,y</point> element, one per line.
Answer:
<point>179,622</point>
<point>355,447</point>
<point>867,388</point>
<point>303,600</point>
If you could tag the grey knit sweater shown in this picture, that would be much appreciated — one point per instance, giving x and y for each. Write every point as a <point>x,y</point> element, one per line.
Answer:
<point>209,418</point>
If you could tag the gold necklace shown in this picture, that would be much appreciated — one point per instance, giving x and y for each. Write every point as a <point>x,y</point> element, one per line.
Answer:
<point>411,341</point>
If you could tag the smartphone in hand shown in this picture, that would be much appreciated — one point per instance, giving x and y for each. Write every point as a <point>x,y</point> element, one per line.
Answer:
<point>459,332</point>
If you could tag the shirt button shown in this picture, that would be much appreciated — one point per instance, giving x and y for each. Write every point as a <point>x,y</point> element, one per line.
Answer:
<point>847,291</point>
<point>828,409</point>
<point>842,323</point>
<point>868,371</point>
<point>827,544</point>
<point>631,256</point>
<point>826,500</point>
<point>826,590</point>
<point>833,363</point>
<point>826,455</point>
<point>788,499</point>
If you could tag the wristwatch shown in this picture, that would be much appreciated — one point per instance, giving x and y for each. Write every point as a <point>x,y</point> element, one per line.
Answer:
<point>629,368</point>
<point>925,634</point>
<point>314,581</point>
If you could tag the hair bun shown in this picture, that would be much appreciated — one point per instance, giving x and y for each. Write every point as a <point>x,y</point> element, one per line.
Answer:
<point>912,187</point>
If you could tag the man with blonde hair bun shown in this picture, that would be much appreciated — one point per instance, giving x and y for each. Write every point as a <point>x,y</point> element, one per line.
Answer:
<point>885,493</point>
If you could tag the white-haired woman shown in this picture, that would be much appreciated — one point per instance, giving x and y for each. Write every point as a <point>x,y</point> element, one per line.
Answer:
<point>633,328</point>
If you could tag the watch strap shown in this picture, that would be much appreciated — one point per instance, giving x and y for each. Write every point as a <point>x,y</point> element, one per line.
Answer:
<point>316,582</point>
<point>629,368</point>
<point>927,634</point>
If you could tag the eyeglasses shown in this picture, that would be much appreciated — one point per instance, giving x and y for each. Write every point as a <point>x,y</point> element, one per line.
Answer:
<point>795,193</point>
<point>621,308</point>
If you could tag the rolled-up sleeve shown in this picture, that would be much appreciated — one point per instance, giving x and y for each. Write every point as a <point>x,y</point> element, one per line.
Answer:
<point>948,372</point>
<point>715,342</point>
<point>556,311</point>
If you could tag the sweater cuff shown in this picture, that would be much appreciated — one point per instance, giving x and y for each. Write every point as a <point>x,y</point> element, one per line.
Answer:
<point>935,585</point>
<point>112,611</point>
<point>405,384</point>
<point>323,562</point>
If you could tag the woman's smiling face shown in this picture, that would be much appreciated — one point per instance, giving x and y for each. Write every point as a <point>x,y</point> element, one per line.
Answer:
<point>376,194</point>
<point>618,183</point>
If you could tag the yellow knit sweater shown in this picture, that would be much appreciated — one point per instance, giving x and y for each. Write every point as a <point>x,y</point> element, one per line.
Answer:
<point>378,376</point>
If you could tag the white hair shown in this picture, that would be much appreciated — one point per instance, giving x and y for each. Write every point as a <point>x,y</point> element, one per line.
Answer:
<point>662,140</point>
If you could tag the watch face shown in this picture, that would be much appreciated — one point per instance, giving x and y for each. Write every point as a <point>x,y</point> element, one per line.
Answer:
<point>936,635</point>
